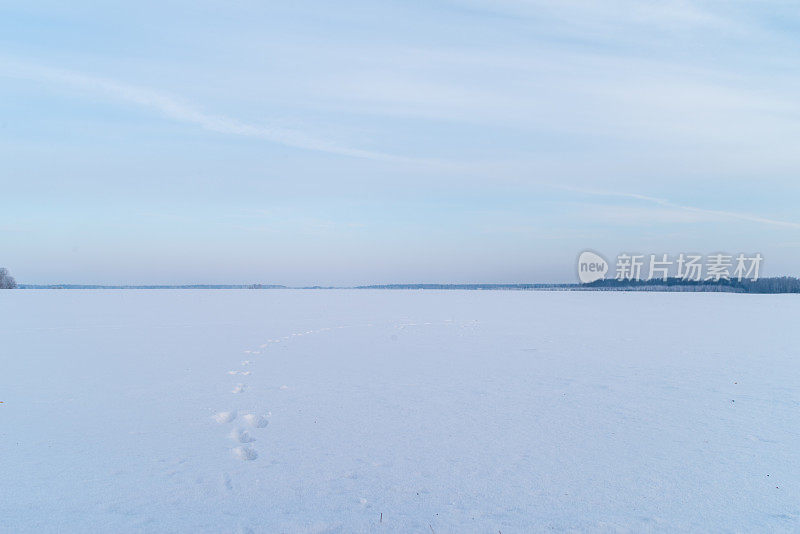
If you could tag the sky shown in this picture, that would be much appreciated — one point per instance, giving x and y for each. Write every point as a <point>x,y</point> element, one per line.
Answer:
<point>341,143</point>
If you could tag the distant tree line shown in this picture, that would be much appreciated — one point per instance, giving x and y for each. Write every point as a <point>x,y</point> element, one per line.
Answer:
<point>6,280</point>
<point>187,286</point>
<point>469,286</point>
<point>781,284</point>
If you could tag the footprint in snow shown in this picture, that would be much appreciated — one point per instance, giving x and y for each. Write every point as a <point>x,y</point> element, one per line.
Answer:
<point>242,436</point>
<point>245,453</point>
<point>224,417</point>
<point>255,420</point>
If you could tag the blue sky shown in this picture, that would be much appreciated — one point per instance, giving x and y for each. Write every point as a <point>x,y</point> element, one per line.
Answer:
<point>365,142</point>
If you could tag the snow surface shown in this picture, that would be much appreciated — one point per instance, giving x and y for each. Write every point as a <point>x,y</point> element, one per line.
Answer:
<point>398,411</point>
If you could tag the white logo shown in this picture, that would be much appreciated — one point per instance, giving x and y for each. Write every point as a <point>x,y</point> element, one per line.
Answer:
<point>591,267</point>
<point>717,267</point>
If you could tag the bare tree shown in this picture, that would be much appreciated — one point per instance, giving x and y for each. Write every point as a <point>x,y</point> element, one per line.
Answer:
<point>6,280</point>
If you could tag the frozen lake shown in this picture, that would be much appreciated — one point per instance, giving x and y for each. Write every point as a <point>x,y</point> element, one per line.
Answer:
<point>398,411</point>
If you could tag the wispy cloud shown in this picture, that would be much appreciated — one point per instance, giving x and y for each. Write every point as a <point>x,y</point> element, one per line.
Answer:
<point>175,109</point>
<point>178,110</point>
<point>692,209</point>
<point>622,19</point>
